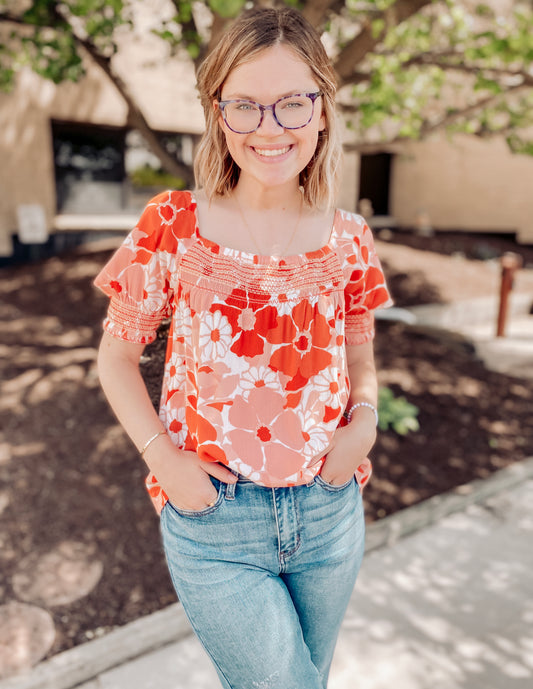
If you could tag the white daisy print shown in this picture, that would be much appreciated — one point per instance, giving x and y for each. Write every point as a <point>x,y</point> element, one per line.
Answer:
<point>214,336</point>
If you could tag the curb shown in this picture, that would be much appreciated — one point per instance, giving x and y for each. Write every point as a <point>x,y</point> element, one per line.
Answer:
<point>83,663</point>
<point>390,529</point>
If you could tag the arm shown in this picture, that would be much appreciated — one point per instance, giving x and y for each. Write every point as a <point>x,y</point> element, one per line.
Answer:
<point>352,443</point>
<point>182,474</point>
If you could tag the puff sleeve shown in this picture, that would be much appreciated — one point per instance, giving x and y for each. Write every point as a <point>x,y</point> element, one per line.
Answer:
<point>137,277</point>
<point>365,288</point>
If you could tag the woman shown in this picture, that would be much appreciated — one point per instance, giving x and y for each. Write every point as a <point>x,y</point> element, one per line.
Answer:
<point>271,291</point>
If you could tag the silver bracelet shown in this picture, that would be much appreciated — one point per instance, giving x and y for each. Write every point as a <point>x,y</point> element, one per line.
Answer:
<point>150,441</point>
<point>362,404</point>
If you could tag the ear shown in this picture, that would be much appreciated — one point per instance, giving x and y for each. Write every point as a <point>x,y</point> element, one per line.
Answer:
<point>219,118</point>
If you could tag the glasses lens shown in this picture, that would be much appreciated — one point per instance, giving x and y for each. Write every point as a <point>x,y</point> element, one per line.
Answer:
<point>294,111</point>
<point>242,116</point>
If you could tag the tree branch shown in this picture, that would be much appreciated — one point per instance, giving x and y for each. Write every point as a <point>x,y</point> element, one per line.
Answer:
<point>367,39</point>
<point>469,110</point>
<point>217,28</point>
<point>429,60</point>
<point>428,128</point>
<point>315,11</point>
<point>6,17</point>
<point>136,117</point>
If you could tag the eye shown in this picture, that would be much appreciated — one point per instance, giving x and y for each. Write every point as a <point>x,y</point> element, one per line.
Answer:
<point>245,107</point>
<point>292,104</point>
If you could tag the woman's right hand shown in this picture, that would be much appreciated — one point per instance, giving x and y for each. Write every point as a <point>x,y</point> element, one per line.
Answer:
<point>184,476</point>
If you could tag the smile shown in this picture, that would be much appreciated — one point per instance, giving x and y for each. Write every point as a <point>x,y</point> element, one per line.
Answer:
<point>272,152</point>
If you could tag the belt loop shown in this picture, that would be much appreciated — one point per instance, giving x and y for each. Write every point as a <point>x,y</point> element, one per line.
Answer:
<point>230,491</point>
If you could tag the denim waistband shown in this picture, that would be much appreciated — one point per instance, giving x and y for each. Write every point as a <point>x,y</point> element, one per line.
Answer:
<point>240,477</point>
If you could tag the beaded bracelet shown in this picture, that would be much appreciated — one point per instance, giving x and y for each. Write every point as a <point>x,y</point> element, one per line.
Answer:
<point>150,441</point>
<point>362,404</point>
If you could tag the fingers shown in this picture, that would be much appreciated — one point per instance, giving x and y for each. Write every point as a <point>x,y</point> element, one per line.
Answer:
<point>220,472</point>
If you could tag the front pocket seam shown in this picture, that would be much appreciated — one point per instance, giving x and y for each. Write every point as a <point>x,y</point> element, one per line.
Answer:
<point>331,487</point>
<point>198,513</point>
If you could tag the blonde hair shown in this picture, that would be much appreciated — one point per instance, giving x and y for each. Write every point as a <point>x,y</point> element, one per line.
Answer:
<point>253,32</point>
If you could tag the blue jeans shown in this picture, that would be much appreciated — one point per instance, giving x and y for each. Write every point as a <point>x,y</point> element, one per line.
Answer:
<point>265,576</point>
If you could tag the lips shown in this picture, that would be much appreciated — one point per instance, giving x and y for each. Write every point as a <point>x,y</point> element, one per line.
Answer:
<point>272,152</point>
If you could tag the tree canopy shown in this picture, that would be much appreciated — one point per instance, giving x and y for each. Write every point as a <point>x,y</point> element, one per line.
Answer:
<point>405,68</point>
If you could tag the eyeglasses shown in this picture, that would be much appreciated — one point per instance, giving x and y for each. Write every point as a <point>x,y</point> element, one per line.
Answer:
<point>290,112</point>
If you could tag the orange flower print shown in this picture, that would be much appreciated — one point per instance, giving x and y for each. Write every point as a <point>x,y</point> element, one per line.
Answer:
<point>158,495</point>
<point>250,320</point>
<point>169,218</point>
<point>308,333</point>
<point>175,373</point>
<point>255,372</point>
<point>154,293</point>
<point>265,434</point>
<point>182,326</point>
<point>261,377</point>
<point>200,429</point>
<point>218,384</point>
<point>173,419</point>
<point>214,336</point>
<point>363,473</point>
<point>316,436</point>
<point>329,384</point>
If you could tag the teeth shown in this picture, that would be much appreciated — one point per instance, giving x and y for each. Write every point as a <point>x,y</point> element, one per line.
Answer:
<point>271,153</point>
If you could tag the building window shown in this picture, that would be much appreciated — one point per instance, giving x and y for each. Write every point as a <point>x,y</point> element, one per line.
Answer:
<point>89,168</point>
<point>101,170</point>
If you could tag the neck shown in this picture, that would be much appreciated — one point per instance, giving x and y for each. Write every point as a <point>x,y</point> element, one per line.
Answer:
<point>284,197</point>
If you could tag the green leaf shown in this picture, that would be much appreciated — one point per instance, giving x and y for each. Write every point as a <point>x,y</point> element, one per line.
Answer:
<point>227,8</point>
<point>377,27</point>
<point>194,50</point>
<point>396,413</point>
<point>485,84</point>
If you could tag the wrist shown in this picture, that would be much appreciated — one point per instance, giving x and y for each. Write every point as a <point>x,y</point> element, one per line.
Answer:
<point>152,439</point>
<point>359,407</point>
<point>156,455</point>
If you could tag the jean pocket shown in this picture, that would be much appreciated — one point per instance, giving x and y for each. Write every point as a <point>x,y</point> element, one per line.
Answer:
<point>208,509</point>
<point>332,488</point>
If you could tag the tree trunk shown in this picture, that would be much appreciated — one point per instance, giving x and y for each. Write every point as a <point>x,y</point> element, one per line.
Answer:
<point>135,116</point>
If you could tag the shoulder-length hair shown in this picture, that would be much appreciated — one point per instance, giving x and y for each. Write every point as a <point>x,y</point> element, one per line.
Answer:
<point>254,31</point>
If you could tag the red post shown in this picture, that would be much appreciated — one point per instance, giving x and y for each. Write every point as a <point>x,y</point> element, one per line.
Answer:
<point>510,263</point>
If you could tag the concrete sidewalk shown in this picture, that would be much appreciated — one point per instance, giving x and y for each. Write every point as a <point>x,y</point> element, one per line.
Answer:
<point>475,320</point>
<point>444,601</point>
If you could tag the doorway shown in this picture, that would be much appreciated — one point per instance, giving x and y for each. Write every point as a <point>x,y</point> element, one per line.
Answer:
<point>374,181</point>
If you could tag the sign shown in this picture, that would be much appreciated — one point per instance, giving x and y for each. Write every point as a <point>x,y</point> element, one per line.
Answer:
<point>32,224</point>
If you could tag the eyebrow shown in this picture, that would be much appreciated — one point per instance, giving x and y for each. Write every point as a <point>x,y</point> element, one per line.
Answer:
<point>283,95</point>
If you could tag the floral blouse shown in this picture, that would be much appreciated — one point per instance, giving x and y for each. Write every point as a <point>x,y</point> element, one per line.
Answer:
<point>255,373</point>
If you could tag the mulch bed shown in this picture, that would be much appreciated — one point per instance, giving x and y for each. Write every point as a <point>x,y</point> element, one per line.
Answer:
<point>68,473</point>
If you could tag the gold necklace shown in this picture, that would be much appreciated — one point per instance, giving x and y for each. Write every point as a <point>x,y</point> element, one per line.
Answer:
<point>261,253</point>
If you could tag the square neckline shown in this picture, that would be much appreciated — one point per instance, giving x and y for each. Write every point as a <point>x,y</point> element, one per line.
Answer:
<point>264,258</point>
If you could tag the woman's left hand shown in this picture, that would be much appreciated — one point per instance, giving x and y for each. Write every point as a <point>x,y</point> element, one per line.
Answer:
<point>348,449</point>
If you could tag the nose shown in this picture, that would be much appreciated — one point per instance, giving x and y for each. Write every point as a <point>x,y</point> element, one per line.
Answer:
<point>269,123</point>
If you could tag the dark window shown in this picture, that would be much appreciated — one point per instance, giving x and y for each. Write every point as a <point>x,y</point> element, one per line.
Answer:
<point>89,167</point>
<point>102,170</point>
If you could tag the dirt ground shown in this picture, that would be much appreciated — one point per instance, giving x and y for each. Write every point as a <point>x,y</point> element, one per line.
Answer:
<point>71,484</point>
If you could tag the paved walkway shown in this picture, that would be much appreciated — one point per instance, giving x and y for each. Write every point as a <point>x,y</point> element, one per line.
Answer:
<point>444,601</point>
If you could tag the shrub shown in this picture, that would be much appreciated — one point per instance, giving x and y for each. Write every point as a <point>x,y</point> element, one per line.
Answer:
<point>396,413</point>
